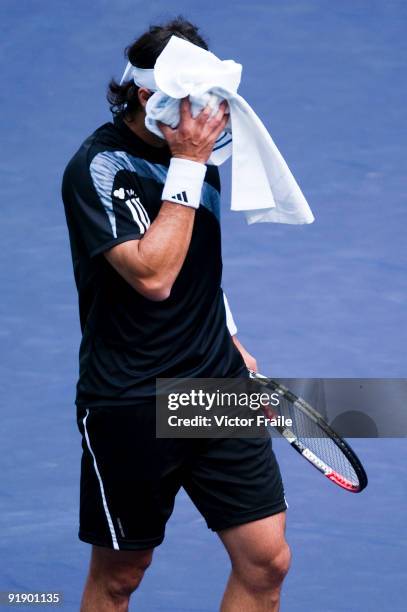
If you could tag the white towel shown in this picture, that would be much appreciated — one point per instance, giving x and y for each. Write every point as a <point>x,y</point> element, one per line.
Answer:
<point>262,184</point>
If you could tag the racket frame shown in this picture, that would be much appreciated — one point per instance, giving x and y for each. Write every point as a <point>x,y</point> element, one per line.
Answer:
<point>302,449</point>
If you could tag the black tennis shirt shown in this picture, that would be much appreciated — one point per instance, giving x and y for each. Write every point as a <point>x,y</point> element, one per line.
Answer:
<point>112,193</point>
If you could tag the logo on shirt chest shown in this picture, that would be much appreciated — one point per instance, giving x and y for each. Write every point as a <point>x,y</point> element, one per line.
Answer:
<point>136,208</point>
<point>122,193</point>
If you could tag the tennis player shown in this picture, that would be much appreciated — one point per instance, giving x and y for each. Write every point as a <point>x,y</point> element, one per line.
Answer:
<point>148,273</point>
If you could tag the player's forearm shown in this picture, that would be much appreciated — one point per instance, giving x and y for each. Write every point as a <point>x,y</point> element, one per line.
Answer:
<point>151,265</point>
<point>249,360</point>
<point>162,250</point>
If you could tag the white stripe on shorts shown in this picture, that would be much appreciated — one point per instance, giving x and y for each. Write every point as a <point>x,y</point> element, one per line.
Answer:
<point>102,489</point>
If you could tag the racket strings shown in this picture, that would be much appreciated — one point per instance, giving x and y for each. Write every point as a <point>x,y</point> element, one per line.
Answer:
<point>311,435</point>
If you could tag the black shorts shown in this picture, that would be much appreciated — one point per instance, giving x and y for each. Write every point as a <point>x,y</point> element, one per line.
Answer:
<point>129,478</point>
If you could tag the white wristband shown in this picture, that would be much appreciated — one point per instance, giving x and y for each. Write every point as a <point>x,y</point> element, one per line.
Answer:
<point>184,182</point>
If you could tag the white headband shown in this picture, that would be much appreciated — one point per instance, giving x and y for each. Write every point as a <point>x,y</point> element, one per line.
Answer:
<point>143,77</point>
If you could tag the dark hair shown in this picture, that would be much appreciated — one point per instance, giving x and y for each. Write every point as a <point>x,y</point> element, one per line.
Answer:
<point>143,53</point>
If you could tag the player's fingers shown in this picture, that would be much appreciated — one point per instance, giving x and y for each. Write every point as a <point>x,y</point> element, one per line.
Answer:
<point>185,109</point>
<point>218,128</point>
<point>165,129</point>
<point>215,121</point>
<point>223,107</point>
<point>202,118</point>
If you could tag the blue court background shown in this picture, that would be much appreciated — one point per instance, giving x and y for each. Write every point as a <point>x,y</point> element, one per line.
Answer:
<point>328,79</point>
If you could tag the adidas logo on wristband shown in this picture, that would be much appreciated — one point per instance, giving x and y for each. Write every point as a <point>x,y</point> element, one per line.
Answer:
<point>184,176</point>
<point>181,197</point>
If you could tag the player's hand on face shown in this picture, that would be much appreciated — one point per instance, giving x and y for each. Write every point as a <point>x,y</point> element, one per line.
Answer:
<point>194,138</point>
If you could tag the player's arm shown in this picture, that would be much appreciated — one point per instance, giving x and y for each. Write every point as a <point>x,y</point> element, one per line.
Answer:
<point>151,265</point>
<point>249,360</point>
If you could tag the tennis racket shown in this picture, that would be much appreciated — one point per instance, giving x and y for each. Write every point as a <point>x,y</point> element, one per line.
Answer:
<point>314,439</point>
